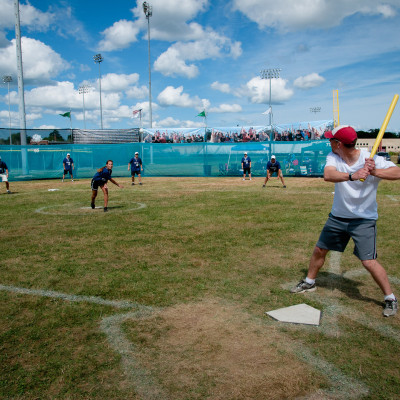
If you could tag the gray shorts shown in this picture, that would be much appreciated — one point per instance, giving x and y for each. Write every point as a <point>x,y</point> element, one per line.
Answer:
<point>337,232</point>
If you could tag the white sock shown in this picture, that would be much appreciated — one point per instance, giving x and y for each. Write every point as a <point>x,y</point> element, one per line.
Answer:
<point>390,297</point>
<point>310,281</point>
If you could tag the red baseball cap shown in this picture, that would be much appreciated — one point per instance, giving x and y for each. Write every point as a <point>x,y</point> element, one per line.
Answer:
<point>344,133</point>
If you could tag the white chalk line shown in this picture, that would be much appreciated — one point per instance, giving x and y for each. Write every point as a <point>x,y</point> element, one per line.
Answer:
<point>71,297</point>
<point>41,210</point>
<point>393,198</point>
<point>111,327</point>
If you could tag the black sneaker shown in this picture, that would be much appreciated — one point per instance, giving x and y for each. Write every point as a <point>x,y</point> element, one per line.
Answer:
<point>303,286</point>
<point>390,308</point>
<point>140,183</point>
<point>92,205</point>
<point>263,185</point>
<point>133,183</point>
<point>284,186</point>
<point>105,209</point>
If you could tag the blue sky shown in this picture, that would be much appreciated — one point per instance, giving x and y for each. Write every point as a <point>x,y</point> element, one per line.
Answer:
<point>204,55</point>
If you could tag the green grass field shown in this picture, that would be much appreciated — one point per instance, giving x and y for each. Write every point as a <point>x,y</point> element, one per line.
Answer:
<point>164,296</point>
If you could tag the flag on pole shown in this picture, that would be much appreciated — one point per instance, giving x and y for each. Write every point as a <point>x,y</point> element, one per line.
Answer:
<point>202,114</point>
<point>136,113</point>
<point>67,114</point>
<point>268,111</point>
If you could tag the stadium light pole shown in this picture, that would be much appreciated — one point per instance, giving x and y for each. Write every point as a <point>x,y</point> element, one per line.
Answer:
<point>315,110</point>
<point>82,90</point>
<point>98,58</point>
<point>270,73</point>
<point>148,12</point>
<point>7,79</point>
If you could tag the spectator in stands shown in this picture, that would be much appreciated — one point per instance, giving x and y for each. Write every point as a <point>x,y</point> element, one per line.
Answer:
<point>273,167</point>
<point>100,179</point>
<point>68,164</point>
<point>246,166</point>
<point>135,165</point>
<point>4,175</point>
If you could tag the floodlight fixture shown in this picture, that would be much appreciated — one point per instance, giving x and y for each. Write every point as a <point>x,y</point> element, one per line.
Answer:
<point>7,79</point>
<point>98,59</point>
<point>315,110</point>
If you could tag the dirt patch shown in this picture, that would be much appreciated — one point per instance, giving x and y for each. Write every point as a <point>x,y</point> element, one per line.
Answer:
<point>214,350</point>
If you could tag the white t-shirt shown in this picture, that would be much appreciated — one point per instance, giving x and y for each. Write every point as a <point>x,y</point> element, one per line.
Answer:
<point>356,199</point>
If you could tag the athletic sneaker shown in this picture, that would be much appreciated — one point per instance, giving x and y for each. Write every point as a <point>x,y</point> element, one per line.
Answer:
<point>390,308</point>
<point>244,179</point>
<point>72,180</point>
<point>303,286</point>
<point>8,192</point>
<point>250,179</point>
<point>92,205</point>
<point>63,180</point>
<point>133,183</point>
<point>105,209</point>
<point>263,185</point>
<point>140,183</point>
<point>284,186</point>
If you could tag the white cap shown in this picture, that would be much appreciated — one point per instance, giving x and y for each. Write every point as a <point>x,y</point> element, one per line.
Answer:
<point>68,154</point>
<point>136,153</point>
<point>273,157</point>
<point>245,152</point>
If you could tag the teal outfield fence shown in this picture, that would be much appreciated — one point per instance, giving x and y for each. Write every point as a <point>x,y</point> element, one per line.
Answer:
<point>305,158</point>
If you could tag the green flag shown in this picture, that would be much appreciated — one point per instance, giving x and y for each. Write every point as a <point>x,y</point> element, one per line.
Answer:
<point>202,114</point>
<point>67,114</point>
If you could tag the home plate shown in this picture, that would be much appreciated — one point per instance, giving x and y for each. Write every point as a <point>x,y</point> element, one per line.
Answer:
<point>299,314</point>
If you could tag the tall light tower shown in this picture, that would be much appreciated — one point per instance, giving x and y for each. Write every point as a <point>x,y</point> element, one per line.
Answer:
<point>148,12</point>
<point>98,58</point>
<point>271,73</point>
<point>7,79</point>
<point>82,90</point>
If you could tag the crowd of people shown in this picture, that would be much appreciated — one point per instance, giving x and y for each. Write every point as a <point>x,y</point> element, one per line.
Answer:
<point>237,136</point>
<point>172,137</point>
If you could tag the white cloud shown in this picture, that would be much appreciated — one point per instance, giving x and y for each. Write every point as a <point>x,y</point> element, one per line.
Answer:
<point>172,122</point>
<point>222,87</point>
<point>257,90</point>
<point>30,16</point>
<point>212,45</point>
<point>170,19</point>
<point>41,63</point>
<point>303,14</point>
<point>226,108</point>
<point>137,92</point>
<point>309,81</point>
<point>119,36</point>
<point>171,96</point>
<point>118,82</point>
<point>170,63</point>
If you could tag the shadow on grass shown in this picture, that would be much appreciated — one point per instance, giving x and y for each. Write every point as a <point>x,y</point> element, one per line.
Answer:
<point>332,281</point>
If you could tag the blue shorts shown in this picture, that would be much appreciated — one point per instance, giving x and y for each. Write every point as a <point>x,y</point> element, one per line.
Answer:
<point>137,172</point>
<point>66,171</point>
<point>246,170</point>
<point>337,232</point>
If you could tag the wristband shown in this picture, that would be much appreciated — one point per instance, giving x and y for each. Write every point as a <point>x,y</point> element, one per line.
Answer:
<point>351,177</point>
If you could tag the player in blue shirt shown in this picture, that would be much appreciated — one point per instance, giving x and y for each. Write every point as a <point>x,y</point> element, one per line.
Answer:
<point>100,179</point>
<point>135,164</point>
<point>68,164</point>
<point>246,166</point>
<point>4,175</point>
<point>274,166</point>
